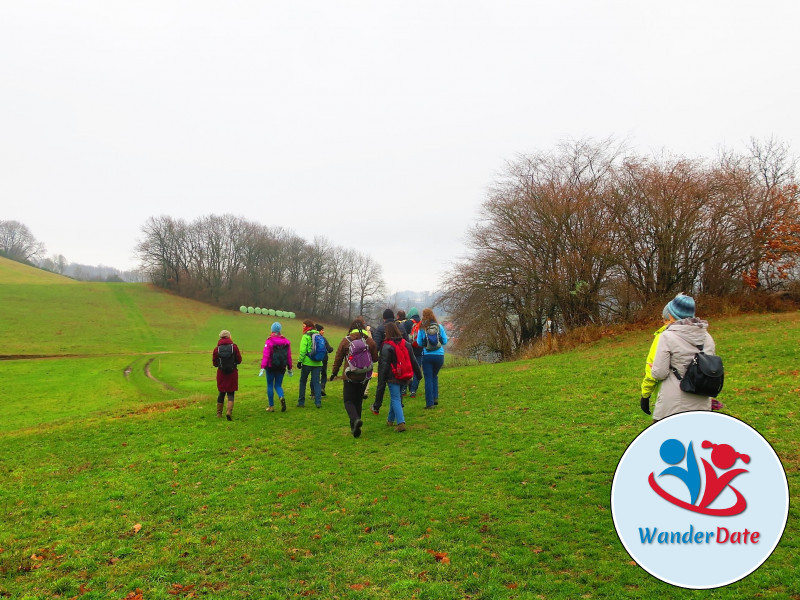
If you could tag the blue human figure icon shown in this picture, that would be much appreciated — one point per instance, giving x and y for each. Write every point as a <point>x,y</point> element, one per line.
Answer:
<point>672,452</point>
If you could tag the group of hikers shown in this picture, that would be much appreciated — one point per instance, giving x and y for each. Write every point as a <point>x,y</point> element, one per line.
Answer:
<point>402,350</point>
<point>410,348</point>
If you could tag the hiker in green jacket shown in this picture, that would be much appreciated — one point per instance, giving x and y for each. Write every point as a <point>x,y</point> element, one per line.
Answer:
<point>310,364</point>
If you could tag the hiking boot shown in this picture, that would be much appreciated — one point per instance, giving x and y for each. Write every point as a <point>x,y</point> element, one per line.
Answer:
<point>301,404</point>
<point>229,412</point>
<point>220,406</point>
<point>401,427</point>
<point>357,428</point>
<point>390,423</point>
<point>283,404</point>
<point>374,410</point>
<point>270,409</point>
<point>318,405</point>
<point>229,417</point>
<point>323,394</point>
<point>436,402</point>
<point>413,394</point>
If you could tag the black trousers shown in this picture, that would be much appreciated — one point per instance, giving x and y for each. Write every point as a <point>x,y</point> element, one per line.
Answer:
<point>353,392</point>
<point>379,391</point>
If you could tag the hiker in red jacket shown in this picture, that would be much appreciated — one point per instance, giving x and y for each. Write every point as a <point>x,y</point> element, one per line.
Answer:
<point>225,357</point>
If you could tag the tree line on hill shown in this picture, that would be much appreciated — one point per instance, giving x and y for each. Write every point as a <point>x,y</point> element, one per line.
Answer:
<point>229,261</point>
<point>18,243</point>
<point>590,234</point>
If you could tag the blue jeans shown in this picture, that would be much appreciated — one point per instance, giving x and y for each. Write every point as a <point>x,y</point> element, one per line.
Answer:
<point>315,387</point>
<point>431,363</point>
<point>396,407</point>
<point>274,380</point>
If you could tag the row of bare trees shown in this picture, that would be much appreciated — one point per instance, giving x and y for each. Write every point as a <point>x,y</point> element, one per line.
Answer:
<point>230,261</point>
<point>589,234</point>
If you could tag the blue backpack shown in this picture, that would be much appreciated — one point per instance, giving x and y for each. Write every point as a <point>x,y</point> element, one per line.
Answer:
<point>433,338</point>
<point>318,350</point>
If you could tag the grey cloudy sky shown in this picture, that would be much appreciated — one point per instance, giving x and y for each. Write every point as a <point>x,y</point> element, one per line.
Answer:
<point>376,124</point>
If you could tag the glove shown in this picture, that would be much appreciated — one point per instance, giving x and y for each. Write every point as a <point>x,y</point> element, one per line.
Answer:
<point>261,373</point>
<point>645,403</point>
<point>332,377</point>
<point>299,365</point>
<point>291,373</point>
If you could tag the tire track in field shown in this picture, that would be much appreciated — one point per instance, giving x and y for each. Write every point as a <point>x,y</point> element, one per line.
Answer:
<point>126,371</point>
<point>150,375</point>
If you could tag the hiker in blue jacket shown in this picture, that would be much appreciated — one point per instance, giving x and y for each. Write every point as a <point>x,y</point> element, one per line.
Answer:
<point>432,338</point>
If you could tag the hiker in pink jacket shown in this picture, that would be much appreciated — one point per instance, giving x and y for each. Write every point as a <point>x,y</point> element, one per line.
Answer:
<point>275,360</point>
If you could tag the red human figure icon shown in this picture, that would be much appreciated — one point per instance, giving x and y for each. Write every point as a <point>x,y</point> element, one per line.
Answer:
<point>724,457</point>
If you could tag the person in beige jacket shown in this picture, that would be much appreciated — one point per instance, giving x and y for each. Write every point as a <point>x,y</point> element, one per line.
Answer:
<point>684,336</point>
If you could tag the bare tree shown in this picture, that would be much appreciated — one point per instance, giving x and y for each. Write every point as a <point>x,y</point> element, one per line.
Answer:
<point>369,284</point>
<point>17,242</point>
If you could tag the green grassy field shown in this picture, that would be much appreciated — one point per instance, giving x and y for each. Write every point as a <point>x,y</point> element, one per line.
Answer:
<point>112,484</point>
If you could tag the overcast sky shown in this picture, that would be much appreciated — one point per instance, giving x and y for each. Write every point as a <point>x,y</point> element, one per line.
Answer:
<point>376,124</point>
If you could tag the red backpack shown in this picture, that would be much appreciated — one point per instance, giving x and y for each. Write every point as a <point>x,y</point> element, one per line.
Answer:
<point>401,367</point>
<point>413,334</point>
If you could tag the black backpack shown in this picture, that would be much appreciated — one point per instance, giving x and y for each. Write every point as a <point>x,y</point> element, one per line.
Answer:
<point>279,358</point>
<point>227,358</point>
<point>704,376</point>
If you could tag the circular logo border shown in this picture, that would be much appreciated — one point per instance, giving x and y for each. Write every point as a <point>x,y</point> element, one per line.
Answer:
<point>650,571</point>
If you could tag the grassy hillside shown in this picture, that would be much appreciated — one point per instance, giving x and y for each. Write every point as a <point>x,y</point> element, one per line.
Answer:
<point>13,272</point>
<point>502,492</point>
<point>86,336</point>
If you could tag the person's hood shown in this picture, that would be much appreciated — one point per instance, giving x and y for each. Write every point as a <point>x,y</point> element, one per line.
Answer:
<point>224,341</point>
<point>693,330</point>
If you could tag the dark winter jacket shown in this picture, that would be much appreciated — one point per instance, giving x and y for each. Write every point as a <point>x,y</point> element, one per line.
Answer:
<point>379,333</point>
<point>328,350</point>
<point>388,357</point>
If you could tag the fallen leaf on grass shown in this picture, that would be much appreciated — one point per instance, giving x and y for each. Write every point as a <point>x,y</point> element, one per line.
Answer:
<point>137,528</point>
<point>36,557</point>
<point>440,556</point>
<point>512,586</point>
<point>137,595</point>
<point>360,586</point>
<point>178,589</point>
